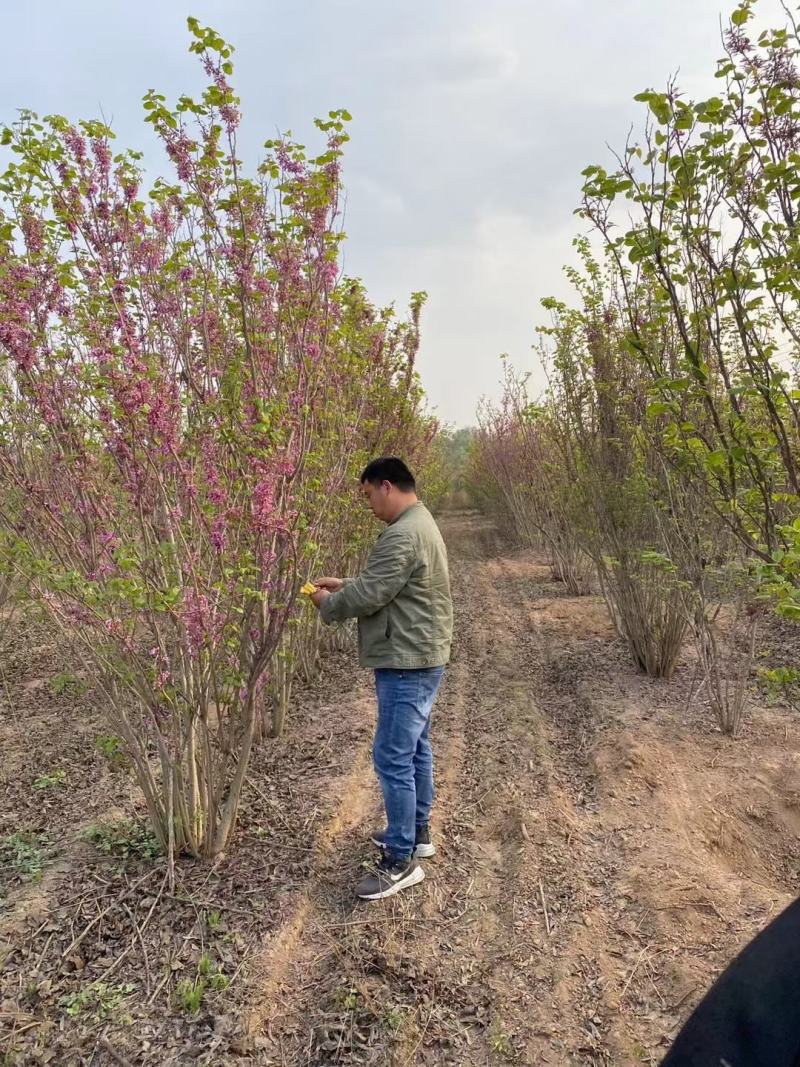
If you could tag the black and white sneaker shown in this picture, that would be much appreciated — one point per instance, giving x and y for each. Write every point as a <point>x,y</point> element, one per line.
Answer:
<point>423,849</point>
<point>389,876</point>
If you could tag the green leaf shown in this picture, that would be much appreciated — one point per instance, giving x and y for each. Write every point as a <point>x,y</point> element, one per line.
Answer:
<point>660,107</point>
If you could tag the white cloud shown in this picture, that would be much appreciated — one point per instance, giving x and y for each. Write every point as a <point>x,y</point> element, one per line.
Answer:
<point>484,294</point>
<point>475,62</point>
<point>380,196</point>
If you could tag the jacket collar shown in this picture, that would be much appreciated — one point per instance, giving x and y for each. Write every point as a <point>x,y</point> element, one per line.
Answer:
<point>405,511</point>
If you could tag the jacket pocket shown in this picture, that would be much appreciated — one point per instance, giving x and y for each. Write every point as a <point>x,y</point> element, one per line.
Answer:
<point>387,632</point>
<point>372,631</point>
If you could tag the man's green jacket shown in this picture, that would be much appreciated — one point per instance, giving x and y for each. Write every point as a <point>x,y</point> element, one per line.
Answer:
<point>402,598</point>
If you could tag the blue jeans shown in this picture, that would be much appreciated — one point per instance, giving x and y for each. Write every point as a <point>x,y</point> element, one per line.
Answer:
<point>402,751</point>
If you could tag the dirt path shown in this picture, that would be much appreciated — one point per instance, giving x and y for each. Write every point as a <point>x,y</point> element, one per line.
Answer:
<point>601,854</point>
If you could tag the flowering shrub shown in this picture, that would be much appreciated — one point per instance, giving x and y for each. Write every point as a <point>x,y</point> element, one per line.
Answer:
<point>186,385</point>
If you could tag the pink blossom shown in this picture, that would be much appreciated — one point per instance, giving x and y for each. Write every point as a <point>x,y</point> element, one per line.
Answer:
<point>107,540</point>
<point>80,615</point>
<point>200,619</point>
<point>219,533</point>
<point>102,153</point>
<point>33,232</point>
<point>230,116</point>
<point>75,143</point>
<point>291,166</point>
<point>179,148</point>
<point>263,502</point>
<point>18,341</point>
<point>163,221</point>
<point>329,272</point>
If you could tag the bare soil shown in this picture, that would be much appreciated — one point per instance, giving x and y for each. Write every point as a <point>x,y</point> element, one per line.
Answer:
<point>602,853</point>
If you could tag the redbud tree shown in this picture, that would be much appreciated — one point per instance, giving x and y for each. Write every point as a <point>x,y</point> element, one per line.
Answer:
<point>172,364</point>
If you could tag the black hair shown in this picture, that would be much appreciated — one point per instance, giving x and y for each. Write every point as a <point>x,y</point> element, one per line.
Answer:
<point>389,469</point>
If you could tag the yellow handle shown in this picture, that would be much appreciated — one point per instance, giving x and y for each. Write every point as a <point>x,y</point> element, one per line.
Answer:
<point>308,589</point>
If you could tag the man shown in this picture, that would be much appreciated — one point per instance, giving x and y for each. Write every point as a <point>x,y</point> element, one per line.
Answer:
<point>405,624</point>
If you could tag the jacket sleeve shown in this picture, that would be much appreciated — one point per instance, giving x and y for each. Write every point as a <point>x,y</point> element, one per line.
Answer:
<point>390,565</point>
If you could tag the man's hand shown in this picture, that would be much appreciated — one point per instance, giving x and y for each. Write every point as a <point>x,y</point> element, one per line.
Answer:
<point>333,585</point>
<point>320,595</point>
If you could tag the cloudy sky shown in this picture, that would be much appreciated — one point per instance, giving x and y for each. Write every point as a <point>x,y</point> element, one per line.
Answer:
<point>472,120</point>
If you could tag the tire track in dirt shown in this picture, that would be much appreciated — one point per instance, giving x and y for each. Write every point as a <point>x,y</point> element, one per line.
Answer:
<point>500,783</point>
<point>590,946</point>
<point>543,939</point>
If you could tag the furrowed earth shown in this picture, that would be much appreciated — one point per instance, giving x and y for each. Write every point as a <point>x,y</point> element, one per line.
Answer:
<point>603,852</point>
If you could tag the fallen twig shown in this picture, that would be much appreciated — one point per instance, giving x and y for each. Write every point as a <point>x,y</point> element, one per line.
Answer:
<point>138,931</point>
<point>421,1038</point>
<point>435,920</point>
<point>213,904</point>
<point>544,909</point>
<point>117,1057</point>
<point>159,987</point>
<point>633,972</point>
<point>689,992</point>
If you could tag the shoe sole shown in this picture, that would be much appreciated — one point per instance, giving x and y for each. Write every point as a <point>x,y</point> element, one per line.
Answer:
<point>416,876</point>
<point>421,852</point>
